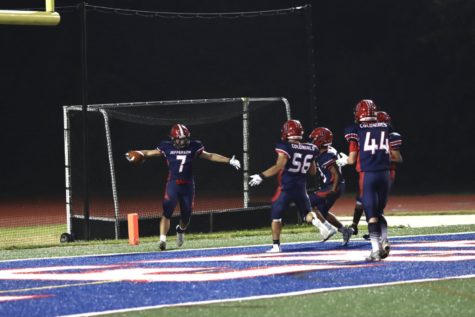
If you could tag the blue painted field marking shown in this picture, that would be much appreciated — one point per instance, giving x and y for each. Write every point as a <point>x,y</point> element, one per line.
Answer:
<point>61,286</point>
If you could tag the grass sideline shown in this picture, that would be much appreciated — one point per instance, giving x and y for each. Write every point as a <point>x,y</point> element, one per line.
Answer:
<point>290,233</point>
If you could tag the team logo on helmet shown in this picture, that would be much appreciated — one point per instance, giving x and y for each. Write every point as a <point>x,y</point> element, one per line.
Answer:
<point>365,111</point>
<point>292,130</point>
<point>321,137</point>
<point>383,117</point>
<point>180,135</point>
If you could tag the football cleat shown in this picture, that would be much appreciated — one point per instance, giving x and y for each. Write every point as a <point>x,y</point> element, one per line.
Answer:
<point>180,236</point>
<point>366,236</point>
<point>386,248</point>
<point>347,232</point>
<point>327,234</point>
<point>275,249</point>
<point>375,256</point>
<point>162,245</point>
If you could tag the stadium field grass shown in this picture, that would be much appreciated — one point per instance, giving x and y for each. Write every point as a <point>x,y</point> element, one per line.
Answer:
<point>436,298</point>
<point>290,233</point>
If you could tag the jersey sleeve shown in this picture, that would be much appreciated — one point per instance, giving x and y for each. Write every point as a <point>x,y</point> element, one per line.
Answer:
<point>351,134</point>
<point>283,149</point>
<point>327,160</point>
<point>198,147</point>
<point>162,147</point>
<point>395,141</point>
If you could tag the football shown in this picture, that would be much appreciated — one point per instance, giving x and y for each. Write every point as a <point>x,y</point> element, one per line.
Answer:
<point>135,157</point>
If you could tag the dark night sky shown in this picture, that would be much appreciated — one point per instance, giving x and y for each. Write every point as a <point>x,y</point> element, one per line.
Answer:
<point>415,59</point>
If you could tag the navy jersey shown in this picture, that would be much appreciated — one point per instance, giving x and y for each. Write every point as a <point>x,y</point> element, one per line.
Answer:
<point>373,145</point>
<point>300,157</point>
<point>180,161</point>
<point>324,162</point>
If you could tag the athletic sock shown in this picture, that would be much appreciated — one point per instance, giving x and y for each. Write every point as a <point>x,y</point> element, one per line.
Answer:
<point>375,236</point>
<point>317,223</point>
<point>328,225</point>
<point>357,215</point>
<point>384,228</point>
<point>163,238</point>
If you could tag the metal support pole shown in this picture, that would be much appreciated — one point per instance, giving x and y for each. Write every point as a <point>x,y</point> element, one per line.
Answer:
<point>84,94</point>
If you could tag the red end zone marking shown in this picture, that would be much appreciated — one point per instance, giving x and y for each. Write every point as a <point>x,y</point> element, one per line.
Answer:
<point>21,297</point>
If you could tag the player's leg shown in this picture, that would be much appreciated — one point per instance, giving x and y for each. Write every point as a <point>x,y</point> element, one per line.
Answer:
<point>346,232</point>
<point>170,200</point>
<point>383,192</point>
<point>280,202</point>
<point>357,213</point>
<point>317,217</point>
<point>370,203</point>
<point>185,197</point>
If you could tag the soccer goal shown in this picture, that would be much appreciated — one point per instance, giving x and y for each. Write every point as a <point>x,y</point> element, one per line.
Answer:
<point>246,127</point>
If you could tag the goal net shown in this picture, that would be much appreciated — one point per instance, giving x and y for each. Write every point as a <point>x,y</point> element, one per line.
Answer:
<point>246,127</point>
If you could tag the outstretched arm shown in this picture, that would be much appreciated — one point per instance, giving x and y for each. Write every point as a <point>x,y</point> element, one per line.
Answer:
<point>256,179</point>
<point>214,157</point>
<point>151,153</point>
<point>277,167</point>
<point>139,156</point>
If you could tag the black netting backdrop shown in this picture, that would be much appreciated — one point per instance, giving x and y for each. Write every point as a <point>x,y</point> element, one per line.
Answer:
<point>219,187</point>
<point>136,55</point>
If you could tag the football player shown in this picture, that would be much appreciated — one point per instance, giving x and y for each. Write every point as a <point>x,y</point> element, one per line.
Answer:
<point>369,146</point>
<point>180,152</point>
<point>333,185</point>
<point>294,160</point>
<point>395,142</point>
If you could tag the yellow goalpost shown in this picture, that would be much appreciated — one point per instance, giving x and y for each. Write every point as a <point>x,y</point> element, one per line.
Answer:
<point>18,17</point>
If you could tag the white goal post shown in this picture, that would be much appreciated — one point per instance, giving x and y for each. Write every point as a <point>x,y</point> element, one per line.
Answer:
<point>246,104</point>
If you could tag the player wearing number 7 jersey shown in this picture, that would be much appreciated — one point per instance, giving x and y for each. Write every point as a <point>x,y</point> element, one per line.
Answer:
<point>294,160</point>
<point>180,153</point>
<point>369,146</point>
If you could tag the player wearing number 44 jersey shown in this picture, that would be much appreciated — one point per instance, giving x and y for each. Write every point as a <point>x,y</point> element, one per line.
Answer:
<point>294,160</point>
<point>395,142</point>
<point>180,153</point>
<point>369,146</point>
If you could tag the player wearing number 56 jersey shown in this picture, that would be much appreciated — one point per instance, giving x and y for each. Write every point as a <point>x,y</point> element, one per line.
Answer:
<point>369,146</point>
<point>294,161</point>
<point>180,152</point>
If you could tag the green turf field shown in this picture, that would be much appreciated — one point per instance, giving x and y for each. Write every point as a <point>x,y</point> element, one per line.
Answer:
<point>439,298</point>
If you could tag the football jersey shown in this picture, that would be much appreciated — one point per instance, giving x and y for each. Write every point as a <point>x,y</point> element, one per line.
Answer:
<point>373,145</point>
<point>324,162</point>
<point>180,161</point>
<point>300,157</point>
